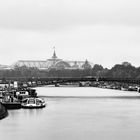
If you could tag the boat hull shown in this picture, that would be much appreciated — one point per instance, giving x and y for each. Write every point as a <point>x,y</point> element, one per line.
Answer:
<point>32,107</point>
<point>11,105</point>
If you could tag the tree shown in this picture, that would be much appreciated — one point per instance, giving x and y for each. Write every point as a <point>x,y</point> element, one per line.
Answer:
<point>96,70</point>
<point>125,70</point>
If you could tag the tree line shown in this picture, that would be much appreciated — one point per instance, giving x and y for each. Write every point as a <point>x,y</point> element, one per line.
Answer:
<point>124,70</point>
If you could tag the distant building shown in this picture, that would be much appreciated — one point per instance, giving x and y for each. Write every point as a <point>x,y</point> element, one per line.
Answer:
<point>54,63</point>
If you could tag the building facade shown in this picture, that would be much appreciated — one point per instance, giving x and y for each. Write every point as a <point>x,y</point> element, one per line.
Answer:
<point>54,63</point>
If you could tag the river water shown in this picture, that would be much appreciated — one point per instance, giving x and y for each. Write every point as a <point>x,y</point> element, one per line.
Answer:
<point>76,114</point>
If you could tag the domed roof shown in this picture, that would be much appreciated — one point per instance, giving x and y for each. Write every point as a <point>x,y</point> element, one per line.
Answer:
<point>75,66</point>
<point>86,65</point>
<point>62,65</point>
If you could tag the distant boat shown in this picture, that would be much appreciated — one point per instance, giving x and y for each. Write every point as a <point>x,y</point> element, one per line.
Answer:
<point>33,103</point>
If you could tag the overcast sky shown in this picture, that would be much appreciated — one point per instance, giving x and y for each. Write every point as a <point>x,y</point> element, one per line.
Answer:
<point>105,32</point>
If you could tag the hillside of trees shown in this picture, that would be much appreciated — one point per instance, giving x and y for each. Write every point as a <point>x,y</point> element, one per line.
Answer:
<point>124,70</point>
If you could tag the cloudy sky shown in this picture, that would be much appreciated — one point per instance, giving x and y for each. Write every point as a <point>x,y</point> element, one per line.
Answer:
<point>103,31</point>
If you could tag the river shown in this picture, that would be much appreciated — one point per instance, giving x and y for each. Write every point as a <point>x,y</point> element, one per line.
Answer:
<point>76,114</point>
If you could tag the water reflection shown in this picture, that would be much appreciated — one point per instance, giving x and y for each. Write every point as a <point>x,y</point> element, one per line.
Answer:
<point>32,112</point>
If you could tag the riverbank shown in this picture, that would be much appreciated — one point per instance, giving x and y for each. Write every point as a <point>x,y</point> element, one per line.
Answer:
<point>101,84</point>
<point>3,111</point>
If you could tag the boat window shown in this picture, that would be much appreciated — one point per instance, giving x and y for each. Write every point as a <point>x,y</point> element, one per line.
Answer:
<point>31,101</point>
<point>22,92</point>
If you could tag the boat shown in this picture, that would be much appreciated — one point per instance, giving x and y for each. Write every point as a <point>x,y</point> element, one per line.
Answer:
<point>26,93</point>
<point>33,102</point>
<point>22,94</point>
<point>9,102</point>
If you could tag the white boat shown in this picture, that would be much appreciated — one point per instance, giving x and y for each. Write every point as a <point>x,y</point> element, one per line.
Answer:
<point>33,103</point>
<point>25,93</point>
